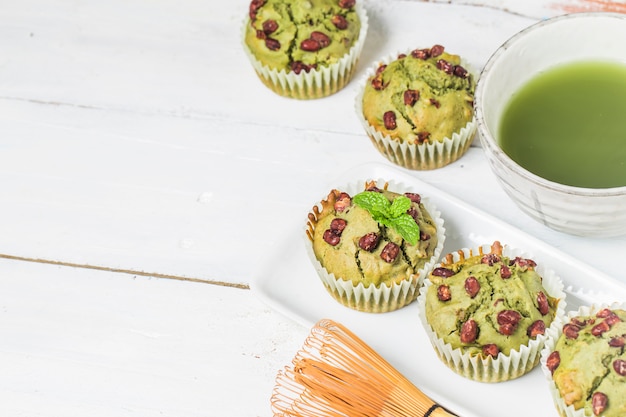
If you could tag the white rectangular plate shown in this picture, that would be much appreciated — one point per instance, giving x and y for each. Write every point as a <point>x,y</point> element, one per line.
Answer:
<point>289,284</point>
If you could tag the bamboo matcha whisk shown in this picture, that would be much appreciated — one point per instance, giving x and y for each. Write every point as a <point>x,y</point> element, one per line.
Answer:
<point>336,374</point>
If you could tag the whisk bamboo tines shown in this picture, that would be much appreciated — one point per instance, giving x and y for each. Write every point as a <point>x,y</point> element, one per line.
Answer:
<point>336,374</point>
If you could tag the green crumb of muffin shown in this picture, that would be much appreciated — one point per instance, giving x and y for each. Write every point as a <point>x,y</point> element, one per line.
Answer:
<point>300,35</point>
<point>591,371</point>
<point>503,297</point>
<point>425,96</point>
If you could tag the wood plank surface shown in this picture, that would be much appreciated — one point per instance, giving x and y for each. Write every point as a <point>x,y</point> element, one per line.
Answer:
<point>141,161</point>
<point>77,342</point>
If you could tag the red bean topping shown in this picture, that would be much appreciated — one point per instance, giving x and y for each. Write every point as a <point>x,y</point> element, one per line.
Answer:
<point>374,188</point>
<point>369,242</point>
<point>299,66</point>
<point>436,50</point>
<point>380,68</point>
<point>389,119</point>
<point>472,286</point>
<point>377,83</point>
<point>401,56</point>
<point>339,21</point>
<point>571,331</point>
<point>321,38</point>
<point>612,319</point>
<point>580,322</point>
<point>553,361</point>
<point>270,26</point>
<point>411,97</point>
<point>535,329</point>
<point>424,235</point>
<point>342,202</point>
<point>442,272</point>
<point>347,4</point>
<point>505,272</point>
<point>490,259</point>
<point>599,401</point>
<point>337,225</point>
<point>619,365</point>
<point>435,103</point>
<point>604,313</point>
<point>508,321</point>
<point>254,6</point>
<point>469,331</point>
<point>413,213</point>
<point>272,44</point>
<point>390,252</point>
<point>443,293</point>
<point>445,66</point>
<point>310,45</point>
<point>422,137</point>
<point>618,341</point>
<point>460,72</point>
<point>260,34</point>
<point>542,303</point>
<point>331,238</point>
<point>600,328</point>
<point>524,263</point>
<point>421,53</point>
<point>414,197</point>
<point>491,349</point>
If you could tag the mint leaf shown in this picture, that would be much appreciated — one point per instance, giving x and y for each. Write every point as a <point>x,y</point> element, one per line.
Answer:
<point>399,206</point>
<point>390,214</point>
<point>407,227</point>
<point>376,203</point>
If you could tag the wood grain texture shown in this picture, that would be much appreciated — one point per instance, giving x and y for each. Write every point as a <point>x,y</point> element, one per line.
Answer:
<point>141,158</point>
<point>542,9</point>
<point>77,342</point>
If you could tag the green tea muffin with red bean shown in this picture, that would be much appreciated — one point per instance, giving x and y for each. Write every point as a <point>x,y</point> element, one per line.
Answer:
<point>304,48</point>
<point>585,362</point>
<point>371,246</point>
<point>417,107</point>
<point>483,310</point>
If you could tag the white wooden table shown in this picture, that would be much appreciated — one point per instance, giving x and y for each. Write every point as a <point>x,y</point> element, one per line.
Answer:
<point>146,172</point>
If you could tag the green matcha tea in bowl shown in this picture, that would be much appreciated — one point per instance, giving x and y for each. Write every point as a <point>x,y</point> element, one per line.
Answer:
<point>550,107</point>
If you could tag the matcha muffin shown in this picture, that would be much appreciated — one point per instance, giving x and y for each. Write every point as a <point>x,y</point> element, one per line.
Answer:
<point>371,246</point>
<point>304,49</point>
<point>417,108</point>
<point>486,311</point>
<point>585,362</point>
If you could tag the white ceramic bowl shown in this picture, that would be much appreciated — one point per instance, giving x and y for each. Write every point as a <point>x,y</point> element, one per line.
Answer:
<point>575,37</point>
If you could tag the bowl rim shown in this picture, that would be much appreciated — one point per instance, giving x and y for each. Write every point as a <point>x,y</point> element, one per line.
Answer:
<point>487,139</point>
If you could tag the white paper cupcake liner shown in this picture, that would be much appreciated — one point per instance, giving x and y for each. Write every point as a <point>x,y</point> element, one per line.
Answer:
<point>553,333</point>
<point>503,367</point>
<point>382,298</point>
<point>413,156</point>
<point>317,83</point>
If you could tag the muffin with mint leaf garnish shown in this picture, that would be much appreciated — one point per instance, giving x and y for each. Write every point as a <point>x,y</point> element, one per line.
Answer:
<point>372,246</point>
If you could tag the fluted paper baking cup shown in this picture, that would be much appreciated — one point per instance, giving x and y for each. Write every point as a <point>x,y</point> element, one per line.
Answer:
<point>317,83</point>
<point>503,367</point>
<point>553,333</point>
<point>425,156</point>
<point>382,298</point>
